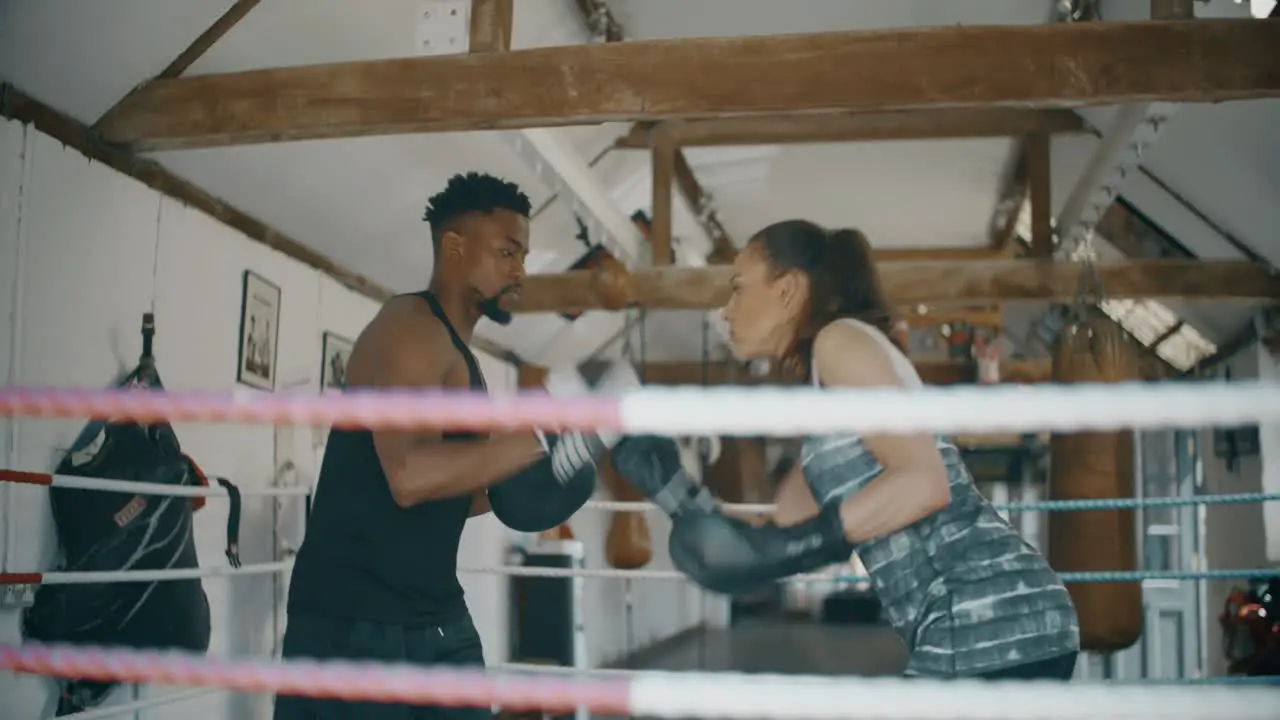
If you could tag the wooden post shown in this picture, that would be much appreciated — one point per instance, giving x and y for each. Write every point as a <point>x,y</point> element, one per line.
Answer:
<point>530,376</point>
<point>932,283</point>
<point>490,26</point>
<point>664,170</point>
<point>1038,180</point>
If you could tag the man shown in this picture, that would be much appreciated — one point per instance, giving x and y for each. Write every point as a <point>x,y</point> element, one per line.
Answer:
<point>376,576</point>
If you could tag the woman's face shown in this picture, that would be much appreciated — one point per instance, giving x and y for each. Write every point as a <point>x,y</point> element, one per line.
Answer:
<point>762,309</point>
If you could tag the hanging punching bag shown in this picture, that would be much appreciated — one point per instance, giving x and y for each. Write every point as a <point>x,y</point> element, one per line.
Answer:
<point>1089,466</point>
<point>628,544</point>
<point>612,283</point>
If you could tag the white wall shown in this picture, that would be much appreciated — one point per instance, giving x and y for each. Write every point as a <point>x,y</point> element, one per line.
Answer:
<point>1235,535</point>
<point>659,608</point>
<point>84,252</point>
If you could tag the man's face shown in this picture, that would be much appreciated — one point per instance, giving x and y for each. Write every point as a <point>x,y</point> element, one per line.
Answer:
<point>489,251</point>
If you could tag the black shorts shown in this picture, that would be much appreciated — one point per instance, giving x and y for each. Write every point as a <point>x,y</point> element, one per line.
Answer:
<point>454,642</point>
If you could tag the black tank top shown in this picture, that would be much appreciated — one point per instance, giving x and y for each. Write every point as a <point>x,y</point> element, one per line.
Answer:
<point>365,557</point>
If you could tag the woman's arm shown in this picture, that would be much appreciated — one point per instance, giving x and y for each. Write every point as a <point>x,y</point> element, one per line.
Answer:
<point>914,482</point>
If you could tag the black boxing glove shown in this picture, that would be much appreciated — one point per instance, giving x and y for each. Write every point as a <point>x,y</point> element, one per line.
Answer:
<point>652,464</point>
<point>721,553</point>
<point>727,555</point>
<point>548,492</point>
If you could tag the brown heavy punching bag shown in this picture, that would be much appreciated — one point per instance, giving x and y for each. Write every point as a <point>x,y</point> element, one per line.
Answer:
<point>628,544</point>
<point>1093,465</point>
<point>613,284</point>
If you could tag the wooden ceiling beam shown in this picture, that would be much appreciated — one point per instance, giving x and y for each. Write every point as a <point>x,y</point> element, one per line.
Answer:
<point>922,316</point>
<point>1057,65</point>
<point>912,283</point>
<point>861,127</point>
<point>933,372</point>
<point>202,43</point>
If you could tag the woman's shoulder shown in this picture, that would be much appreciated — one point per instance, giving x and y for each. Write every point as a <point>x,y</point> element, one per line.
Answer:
<point>847,335</point>
<point>848,353</point>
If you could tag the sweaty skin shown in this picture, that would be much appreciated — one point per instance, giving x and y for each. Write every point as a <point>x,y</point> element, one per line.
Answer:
<point>406,346</point>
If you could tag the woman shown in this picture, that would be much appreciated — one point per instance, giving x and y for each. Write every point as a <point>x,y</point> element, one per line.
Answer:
<point>967,595</point>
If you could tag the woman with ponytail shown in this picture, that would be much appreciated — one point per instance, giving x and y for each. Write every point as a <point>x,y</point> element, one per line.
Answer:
<point>968,596</point>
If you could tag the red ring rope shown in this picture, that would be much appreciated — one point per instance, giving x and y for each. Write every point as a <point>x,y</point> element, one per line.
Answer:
<point>339,680</point>
<point>374,409</point>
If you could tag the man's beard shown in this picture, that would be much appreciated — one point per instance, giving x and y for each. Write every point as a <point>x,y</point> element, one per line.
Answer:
<point>491,307</point>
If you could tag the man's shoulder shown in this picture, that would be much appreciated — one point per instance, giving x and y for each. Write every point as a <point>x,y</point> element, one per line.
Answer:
<point>409,316</point>
<point>403,338</point>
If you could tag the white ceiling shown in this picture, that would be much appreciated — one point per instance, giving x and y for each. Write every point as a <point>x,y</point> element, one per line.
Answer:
<point>360,200</point>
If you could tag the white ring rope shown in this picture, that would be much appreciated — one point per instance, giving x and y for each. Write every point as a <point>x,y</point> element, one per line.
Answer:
<point>129,708</point>
<point>726,695</point>
<point>675,411</point>
<point>111,711</point>
<point>79,482</point>
<point>132,487</point>
<point>90,577</point>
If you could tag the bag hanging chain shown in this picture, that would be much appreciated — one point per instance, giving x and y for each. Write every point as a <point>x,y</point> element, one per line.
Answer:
<point>1089,289</point>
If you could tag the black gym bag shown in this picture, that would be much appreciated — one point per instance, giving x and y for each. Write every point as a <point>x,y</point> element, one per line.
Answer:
<point>105,530</point>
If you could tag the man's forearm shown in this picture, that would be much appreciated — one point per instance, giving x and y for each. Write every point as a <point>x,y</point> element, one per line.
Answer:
<point>436,470</point>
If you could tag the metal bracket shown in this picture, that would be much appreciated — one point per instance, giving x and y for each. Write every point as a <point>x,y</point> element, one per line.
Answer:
<point>553,159</point>
<point>1119,153</point>
<point>443,27</point>
<point>18,596</point>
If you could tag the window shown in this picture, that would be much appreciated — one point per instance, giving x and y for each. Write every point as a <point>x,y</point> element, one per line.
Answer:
<point>1185,348</point>
<point>1261,8</point>
<point>1146,320</point>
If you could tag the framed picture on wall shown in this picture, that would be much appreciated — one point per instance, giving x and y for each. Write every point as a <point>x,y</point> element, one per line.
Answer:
<point>259,331</point>
<point>335,350</point>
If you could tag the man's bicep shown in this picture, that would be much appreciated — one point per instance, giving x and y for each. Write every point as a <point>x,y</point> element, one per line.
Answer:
<point>405,360</point>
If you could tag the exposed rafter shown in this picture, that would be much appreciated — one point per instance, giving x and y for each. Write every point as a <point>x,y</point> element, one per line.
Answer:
<point>909,283</point>
<point>860,127</point>
<point>201,44</point>
<point>549,154</point>
<point>1059,65</point>
<point>932,371</point>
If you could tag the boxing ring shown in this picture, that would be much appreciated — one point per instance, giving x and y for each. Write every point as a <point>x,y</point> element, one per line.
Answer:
<point>672,411</point>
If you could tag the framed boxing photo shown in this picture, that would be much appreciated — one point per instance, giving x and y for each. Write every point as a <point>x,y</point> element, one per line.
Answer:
<point>259,332</point>
<point>334,352</point>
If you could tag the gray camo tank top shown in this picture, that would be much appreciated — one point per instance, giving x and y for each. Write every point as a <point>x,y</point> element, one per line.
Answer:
<point>964,591</point>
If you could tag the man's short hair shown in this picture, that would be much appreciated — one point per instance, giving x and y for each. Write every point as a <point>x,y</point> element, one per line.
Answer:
<point>472,193</point>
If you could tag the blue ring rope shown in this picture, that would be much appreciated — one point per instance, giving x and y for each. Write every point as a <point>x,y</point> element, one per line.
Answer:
<point>1130,503</point>
<point>1116,575</point>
